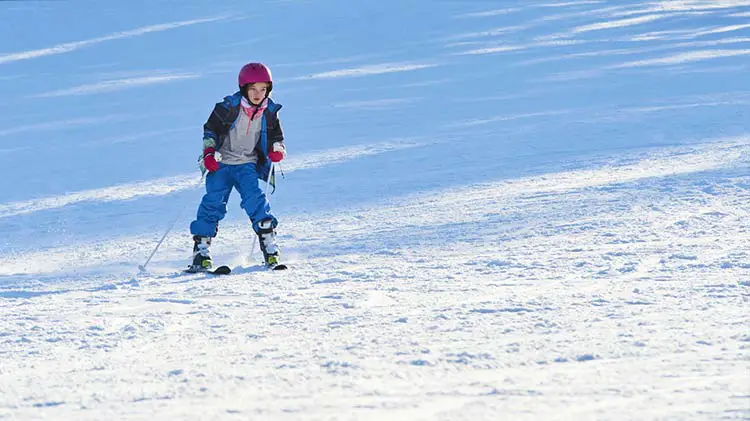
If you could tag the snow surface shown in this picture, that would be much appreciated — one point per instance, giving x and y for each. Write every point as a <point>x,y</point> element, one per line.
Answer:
<point>522,210</point>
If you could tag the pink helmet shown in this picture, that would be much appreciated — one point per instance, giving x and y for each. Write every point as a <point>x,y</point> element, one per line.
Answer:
<point>254,73</point>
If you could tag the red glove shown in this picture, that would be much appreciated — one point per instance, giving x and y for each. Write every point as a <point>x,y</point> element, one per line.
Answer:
<point>209,162</point>
<point>278,152</point>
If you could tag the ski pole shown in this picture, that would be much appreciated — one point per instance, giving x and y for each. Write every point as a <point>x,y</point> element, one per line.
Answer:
<point>142,267</point>
<point>265,193</point>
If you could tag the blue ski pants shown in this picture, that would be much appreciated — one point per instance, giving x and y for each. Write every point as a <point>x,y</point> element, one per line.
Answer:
<point>219,185</point>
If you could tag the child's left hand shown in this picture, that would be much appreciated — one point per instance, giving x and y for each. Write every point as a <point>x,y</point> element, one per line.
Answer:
<point>278,152</point>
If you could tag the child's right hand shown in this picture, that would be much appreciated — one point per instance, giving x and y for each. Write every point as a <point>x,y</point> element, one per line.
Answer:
<point>209,162</point>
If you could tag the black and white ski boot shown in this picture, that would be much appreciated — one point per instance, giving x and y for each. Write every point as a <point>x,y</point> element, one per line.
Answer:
<point>267,239</point>
<point>202,261</point>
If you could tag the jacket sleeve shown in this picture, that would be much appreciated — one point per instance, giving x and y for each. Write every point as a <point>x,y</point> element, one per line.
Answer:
<point>212,129</point>
<point>275,134</point>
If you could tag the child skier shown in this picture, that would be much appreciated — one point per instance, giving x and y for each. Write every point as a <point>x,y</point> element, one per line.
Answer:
<point>245,130</point>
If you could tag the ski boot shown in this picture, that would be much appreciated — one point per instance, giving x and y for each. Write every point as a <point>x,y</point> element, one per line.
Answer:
<point>201,257</point>
<point>267,239</point>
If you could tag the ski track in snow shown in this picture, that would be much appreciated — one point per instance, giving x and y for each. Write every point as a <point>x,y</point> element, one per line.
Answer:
<point>610,273</point>
<point>170,185</point>
<point>115,85</point>
<point>73,46</point>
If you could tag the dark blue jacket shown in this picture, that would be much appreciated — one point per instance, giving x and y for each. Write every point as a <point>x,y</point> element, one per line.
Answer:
<point>223,118</point>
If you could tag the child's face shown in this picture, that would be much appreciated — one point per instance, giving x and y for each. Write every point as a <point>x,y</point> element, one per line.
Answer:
<point>257,92</point>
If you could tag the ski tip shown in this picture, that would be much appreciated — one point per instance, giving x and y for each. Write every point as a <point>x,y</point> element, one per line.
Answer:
<point>222,270</point>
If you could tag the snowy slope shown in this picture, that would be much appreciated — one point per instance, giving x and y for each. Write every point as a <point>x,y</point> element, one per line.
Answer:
<point>492,210</point>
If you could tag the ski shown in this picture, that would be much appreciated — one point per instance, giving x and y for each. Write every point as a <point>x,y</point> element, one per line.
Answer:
<point>226,270</point>
<point>221,270</point>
